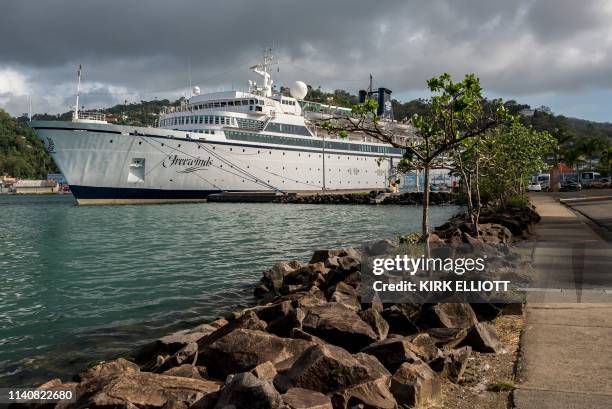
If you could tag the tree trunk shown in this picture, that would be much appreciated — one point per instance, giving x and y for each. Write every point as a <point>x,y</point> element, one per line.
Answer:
<point>478,201</point>
<point>425,225</point>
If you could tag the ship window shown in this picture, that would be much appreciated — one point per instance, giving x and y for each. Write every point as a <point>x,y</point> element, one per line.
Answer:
<point>223,104</point>
<point>245,102</point>
<point>251,108</point>
<point>258,108</point>
<point>251,101</point>
<point>260,102</point>
<point>230,103</point>
<point>216,120</point>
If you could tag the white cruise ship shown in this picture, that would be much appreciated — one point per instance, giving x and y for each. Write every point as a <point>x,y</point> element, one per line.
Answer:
<point>219,142</point>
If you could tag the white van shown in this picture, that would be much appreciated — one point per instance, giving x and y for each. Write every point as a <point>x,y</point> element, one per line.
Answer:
<point>586,178</point>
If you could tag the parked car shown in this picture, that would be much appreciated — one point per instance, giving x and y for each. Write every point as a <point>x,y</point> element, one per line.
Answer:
<point>534,187</point>
<point>570,186</point>
<point>601,183</point>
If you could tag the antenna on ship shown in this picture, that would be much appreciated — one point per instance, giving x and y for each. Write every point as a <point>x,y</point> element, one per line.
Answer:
<point>75,114</point>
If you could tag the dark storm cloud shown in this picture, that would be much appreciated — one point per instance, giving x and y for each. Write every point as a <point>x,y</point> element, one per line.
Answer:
<point>517,47</point>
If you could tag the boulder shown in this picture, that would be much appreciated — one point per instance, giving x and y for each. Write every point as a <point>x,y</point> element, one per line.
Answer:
<point>186,355</point>
<point>110,368</point>
<point>248,320</point>
<point>452,363</point>
<point>272,279</point>
<point>426,349</point>
<point>393,352</point>
<point>246,391</point>
<point>378,324</point>
<point>328,369</point>
<point>338,325</point>
<point>243,349</point>
<point>348,270</point>
<point>308,275</point>
<point>307,298</point>
<point>265,371</point>
<point>281,317</point>
<point>482,337</point>
<point>447,337</point>
<point>187,371</point>
<point>299,398</point>
<point>346,295</point>
<point>297,333</point>
<point>142,389</point>
<point>380,247</point>
<point>170,344</point>
<point>323,255</point>
<point>415,384</point>
<point>402,318</point>
<point>449,315</point>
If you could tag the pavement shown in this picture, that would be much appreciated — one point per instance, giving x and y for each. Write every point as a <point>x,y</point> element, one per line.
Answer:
<point>566,346</point>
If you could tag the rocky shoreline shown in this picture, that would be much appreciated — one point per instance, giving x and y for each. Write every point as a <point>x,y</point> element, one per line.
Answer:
<point>311,343</point>
<point>408,198</point>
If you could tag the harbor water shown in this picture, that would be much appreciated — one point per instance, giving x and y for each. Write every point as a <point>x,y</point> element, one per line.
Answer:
<point>82,284</point>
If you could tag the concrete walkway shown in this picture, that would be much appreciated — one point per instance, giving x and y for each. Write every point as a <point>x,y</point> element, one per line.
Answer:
<point>566,348</point>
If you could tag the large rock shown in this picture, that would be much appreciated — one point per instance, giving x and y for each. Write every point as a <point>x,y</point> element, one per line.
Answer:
<point>447,337</point>
<point>110,368</point>
<point>281,317</point>
<point>272,279</point>
<point>380,247</point>
<point>142,389</point>
<point>348,270</point>
<point>303,299</point>
<point>346,295</point>
<point>338,325</point>
<point>248,320</point>
<point>242,350</point>
<point>265,371</point>
<point>378,324</point>
<point>482,337</point>
<point>170,344</point>
<point>452,363</point>
<point>402,318</point>
<point>415,384</point>
<point>187,371</point>
<point>246,391</point>
<point>393,352</point>
<point>300,398</point>
<point>426,349</point>
<point>328,369</point>
<point>308,275</point>
<point>449,315</point>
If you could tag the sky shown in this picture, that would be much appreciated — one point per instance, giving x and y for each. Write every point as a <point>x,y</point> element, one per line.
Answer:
<point>556,53</point>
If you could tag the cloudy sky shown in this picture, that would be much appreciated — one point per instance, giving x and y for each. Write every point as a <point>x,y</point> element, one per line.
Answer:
<point>552,52</point>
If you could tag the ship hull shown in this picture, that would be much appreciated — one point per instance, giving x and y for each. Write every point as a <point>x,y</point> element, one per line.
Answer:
<point>114,164</point>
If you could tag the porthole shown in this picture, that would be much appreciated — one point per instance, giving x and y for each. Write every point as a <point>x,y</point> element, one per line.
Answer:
<point>244,150</point>
<point>231,149</point>
<point>162,144</point>
<point>258,151</point>
<point>214,147</point>
<point>270,152</point>
<point>139,143</point>
<point>283,153</point>
<point>179,145</point>
<point>111,141</point>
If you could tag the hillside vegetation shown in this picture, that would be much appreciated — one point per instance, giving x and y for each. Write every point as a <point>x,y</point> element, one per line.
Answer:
<point>22,154</point>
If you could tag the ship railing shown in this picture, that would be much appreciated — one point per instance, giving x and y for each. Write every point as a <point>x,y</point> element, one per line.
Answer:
<point>92,116</point>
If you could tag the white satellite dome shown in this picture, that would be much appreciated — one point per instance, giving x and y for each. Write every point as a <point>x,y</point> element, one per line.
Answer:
<point>298,90</point>
<point>196,90</point>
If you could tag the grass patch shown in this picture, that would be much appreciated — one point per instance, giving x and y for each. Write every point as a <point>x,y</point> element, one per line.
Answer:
<point>502,385</point>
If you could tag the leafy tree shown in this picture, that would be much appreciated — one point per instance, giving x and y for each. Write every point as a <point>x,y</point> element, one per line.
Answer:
<point>456,112</point>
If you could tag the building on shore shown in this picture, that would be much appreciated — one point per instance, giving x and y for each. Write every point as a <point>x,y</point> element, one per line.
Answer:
<point>35,187</point>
